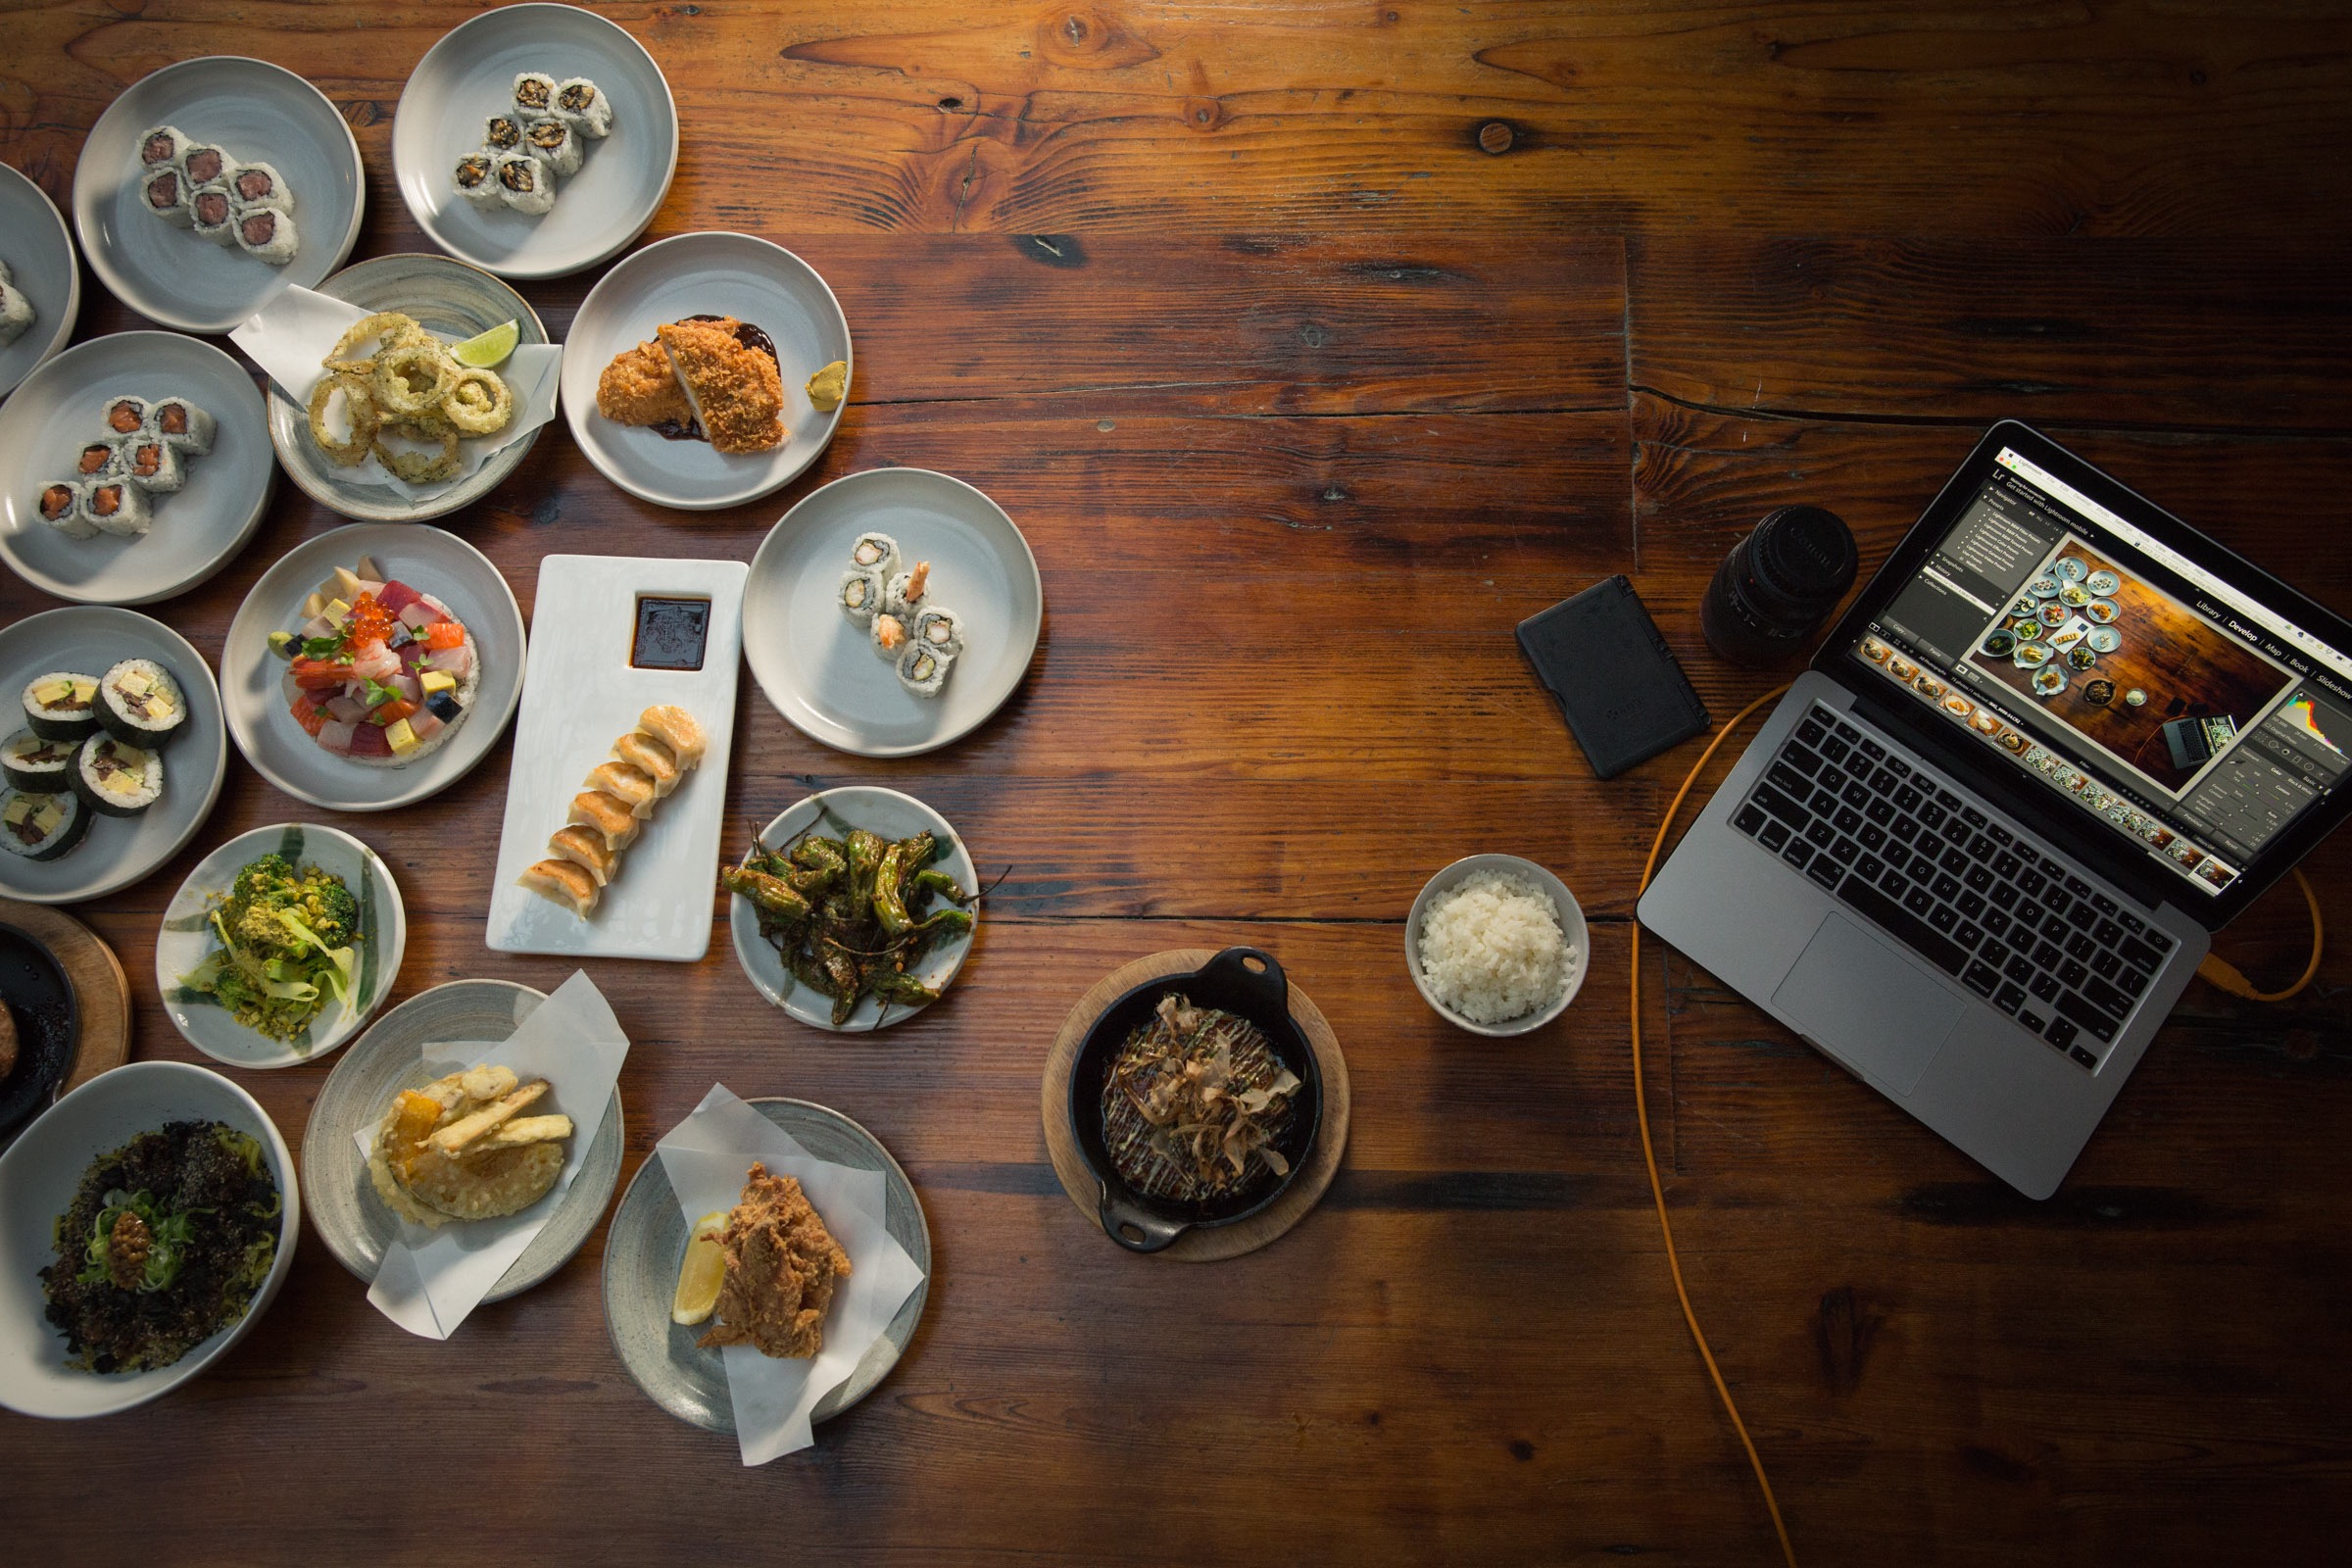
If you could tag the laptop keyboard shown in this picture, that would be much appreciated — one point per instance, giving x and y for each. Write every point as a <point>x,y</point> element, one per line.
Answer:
<point>2015,926</point>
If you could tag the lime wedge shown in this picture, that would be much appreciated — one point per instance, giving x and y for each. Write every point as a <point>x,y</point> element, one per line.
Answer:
<point>489,347</point>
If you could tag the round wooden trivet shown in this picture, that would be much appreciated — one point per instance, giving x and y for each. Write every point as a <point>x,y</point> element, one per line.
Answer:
<point>1206,1246</point>
<point>101,990</point>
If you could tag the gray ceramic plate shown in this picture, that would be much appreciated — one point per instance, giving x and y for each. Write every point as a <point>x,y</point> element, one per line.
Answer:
<point>261,113</point>
<point>344,1209</point>
<point>647,1242</point>
<point>41,265</point>
<point>444,296</point>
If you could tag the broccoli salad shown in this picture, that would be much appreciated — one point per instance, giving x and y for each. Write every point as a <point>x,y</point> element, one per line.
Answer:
<point>288,945</point>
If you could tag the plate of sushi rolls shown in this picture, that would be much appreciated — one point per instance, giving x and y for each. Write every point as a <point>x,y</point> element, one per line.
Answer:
<point>132,467</point>
<point>535,140</point>
<point>891,612</point>
<point>686,370</point>
<point>40,279</point>
<point>372,666</point>
<point>209,185</point>
<point>113,754</point>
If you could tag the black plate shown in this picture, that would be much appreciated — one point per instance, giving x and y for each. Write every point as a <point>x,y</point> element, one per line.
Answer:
<point>41,1004</point>
<point>1240,980</point>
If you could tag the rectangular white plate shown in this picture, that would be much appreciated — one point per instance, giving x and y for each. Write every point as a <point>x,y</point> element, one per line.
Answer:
<point>579,696</point>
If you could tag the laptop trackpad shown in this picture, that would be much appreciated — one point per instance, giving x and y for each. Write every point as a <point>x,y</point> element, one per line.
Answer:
<point>1868,1003</point>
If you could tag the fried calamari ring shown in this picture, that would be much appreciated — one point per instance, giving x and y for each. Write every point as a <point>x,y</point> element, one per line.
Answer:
<point>379,334</point>
<point>478,402</point>
<point>411,380</point>
<point>421,467</point>
<point>358,399</point>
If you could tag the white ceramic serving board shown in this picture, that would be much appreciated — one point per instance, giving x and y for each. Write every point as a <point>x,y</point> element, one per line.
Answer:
<point>579,696</point>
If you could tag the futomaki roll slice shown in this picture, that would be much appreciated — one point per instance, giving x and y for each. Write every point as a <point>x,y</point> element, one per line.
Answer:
<point>115,778</point>
<point>35,765</point>
<point>140,702</point>
<point>62,706</point>
<point>41,827</point>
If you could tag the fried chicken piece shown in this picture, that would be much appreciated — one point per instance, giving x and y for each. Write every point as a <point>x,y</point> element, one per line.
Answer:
<point>640,388</point>
<point>735,390</point>
<point>781,1267</point>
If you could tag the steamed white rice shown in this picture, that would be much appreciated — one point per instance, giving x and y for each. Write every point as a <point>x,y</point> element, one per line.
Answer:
<point>1492,948</point>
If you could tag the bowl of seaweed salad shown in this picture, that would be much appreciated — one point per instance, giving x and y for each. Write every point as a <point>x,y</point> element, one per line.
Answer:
<point>147,1220</point>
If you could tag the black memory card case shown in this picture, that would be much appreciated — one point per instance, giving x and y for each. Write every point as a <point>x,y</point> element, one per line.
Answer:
<point>1618,685</point>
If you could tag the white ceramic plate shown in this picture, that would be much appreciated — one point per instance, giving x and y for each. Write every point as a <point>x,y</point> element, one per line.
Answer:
<point>187,940</point>
<point>470,76</point>
<point>261,113</point>
<point>251,676</point>
<point>704,274</point>
<point>820,669</point>
<point>444,296</point>
<point>38,249</point>
<point>197,528</point>
<point>89,640</point>
<point>38,1177</point>
<point>1572,927</point>
<point>833,813</point>
<point>583,695</point>
<point>349,1217</point>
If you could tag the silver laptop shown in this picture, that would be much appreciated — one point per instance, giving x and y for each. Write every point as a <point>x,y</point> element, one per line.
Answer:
<point>1980,845</point>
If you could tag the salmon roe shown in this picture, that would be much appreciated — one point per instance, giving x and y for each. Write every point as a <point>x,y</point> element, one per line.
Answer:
<point>369,622</point>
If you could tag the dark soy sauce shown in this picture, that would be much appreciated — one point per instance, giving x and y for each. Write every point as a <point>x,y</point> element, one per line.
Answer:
<point>671,633</point>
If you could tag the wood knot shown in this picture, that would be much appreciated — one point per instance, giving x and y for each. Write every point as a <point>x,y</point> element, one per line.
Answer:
<point>1313,336</point>
<point>1204,113</point>
<point>1494,138</point>
<point>1086,37</point>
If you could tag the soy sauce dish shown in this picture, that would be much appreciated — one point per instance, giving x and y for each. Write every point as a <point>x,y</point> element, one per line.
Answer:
<point>1248,984</point>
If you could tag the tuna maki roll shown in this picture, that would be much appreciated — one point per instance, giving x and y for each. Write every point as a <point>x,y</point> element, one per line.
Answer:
<point>161,148</point>
<point>212,216</point>
<point>41,827</point>
<point>534,93</point>
<point>524,183</point>
<point>555,143</point>
<point>205,163</point>
<point>583,104</point>
<point>140,702</point>
<point>124,415</point>
<point>502,134</point>
<point>860,594</point>
<point>877,551</point>
<point>62,706</point>
<point>181,425</point>
<point>63,504</point>
<point>153,464</point>
<point>167,196</point>
<point>118,507</point>
<point>267,234</point>
<point>255,186</point>
<point>923,670</point>
<point>35,765</point>
<point>474,182</point>
<point>104,459</point>
<point>115,778</point>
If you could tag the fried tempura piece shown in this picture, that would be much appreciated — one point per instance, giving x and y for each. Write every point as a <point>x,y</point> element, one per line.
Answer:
<point>523,1130</point>
<point>735,390</point>
<point>640,388</point>
<point>781,1267</point>
<point>453,1138</point>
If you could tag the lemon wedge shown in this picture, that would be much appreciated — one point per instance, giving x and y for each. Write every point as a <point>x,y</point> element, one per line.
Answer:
<point>700,1275</point>
<point>486,349</point>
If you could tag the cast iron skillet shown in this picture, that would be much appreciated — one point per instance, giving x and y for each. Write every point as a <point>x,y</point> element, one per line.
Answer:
<point>1240,980</point>
<point>36,993</point>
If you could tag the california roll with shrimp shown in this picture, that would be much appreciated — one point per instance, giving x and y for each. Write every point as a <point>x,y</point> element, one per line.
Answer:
<point>379,673</point>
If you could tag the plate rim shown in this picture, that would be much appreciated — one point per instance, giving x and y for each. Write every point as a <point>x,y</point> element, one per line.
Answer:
<point>234,726</point>
<point>577,409</point>
<point>358,1025</point>
<point>424,224</point>
<point>212,797</point>
<point>775,532</point>
<point>462,494</point>
<point>230,551</point>
<point>72,311</point>
<point>921,1296</point>
<point>100,264</point>
<point>783,1002</point>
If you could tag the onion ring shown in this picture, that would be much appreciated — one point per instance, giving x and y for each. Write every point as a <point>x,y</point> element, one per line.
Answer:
<point>417,468</point>
<point>365,417</point>
<point>386,330</point>
<point>398,393</point>
<point>478,402</point>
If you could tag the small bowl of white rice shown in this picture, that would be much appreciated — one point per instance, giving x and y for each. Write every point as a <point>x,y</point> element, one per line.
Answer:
<point>1497,945</point>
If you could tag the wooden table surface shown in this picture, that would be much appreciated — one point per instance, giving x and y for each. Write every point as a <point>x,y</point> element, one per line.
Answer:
<point>1312,347</point>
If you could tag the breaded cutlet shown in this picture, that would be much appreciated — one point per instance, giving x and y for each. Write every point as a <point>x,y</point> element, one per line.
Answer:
<point>736,390</point>
<point>640,388</point>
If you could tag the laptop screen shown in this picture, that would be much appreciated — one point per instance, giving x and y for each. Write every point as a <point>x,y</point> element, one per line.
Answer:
<point>2149,693</point>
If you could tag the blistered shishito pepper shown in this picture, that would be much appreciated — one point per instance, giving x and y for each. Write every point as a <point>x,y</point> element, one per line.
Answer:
<point>771,895</point>
<point>890,898</point>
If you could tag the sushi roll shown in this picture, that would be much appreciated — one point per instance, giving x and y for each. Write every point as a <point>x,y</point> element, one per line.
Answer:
<point>555,143</point>
<point>860,594</point>
<point>62,706</point>
<point>153,464</point>
<point>937,629</point>
<point>652,757</point>
<point>255,186</point>
<point>63,504</point>
<point>35,765</point>
<point>205,163</point>
<point>267,234</point>
<point>162,148</point>
<point>923,670</point>
<point>41,827</point>
<point>181,425</point>
<point>876,552</point>
<point>890,635</point>
<point>625,781</point>
<point>165,193</point>
<point>905,595</point>
<point>534,93</point>
<point>502,134</point>
<point>472,179</point>
<point>583,104</point>
<point>127,415</point>
<point>677,729</point>
<point>212,215</point>
<point>115,778</point>
<point>16,313</point>
<point>524,184</point>
<point>105,459</point>
<point>608,816</point>
<point>119,507</point>
<point>140,702</point>
<point>564,883</point>
<point>585,848</point>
